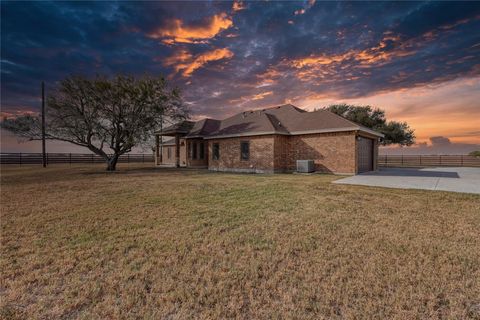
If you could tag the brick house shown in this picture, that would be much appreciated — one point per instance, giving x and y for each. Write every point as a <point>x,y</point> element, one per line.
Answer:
<point>271,140</point>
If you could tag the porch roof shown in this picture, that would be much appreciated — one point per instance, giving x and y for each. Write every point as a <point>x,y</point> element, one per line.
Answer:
<point>181,128</point>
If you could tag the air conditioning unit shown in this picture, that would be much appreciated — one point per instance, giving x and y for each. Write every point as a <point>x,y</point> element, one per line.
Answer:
<point>305,166</point>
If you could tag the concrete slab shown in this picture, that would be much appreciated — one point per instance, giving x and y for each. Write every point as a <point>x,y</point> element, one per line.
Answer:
<point>455,179</point>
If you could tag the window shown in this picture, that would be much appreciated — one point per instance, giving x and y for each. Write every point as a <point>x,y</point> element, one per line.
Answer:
<point>202,151</point>
<point>244,150</point>
<point>216,151</point>
<point>169,152</point>
<point>194,151</point>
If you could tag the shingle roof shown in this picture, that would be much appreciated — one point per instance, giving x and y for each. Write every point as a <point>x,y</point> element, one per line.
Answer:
<point>204,127</point>
<point>182,127</point>
<point>285,119</point>
<point>249,122</point>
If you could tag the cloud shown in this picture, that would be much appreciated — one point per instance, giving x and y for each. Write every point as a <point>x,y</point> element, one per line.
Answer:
<point>183,60</point>
<point>176,32</point>
<point>238,5</point>
<point>177,60</point>
<point>440,141</point>
<point>309,4</point>
<point>409,47</point>
<point>14,114</point>
<point>299,11</point>
<point>262,95</point>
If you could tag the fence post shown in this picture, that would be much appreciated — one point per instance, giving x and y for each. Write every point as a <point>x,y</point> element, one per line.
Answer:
<point>402,160</point>
<point>20,158</point>
<point>143,158</point>
<point>70,158</point>
<point>386,160</point>
<point>128,158</point>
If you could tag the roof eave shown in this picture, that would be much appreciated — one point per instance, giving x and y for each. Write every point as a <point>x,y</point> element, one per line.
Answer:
<point>246,134</point>
<point>372,132</point>
<point>296,133</point>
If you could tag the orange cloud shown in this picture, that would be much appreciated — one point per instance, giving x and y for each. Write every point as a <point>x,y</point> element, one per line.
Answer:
<point>262,95</point>
<point>238,5</point>
<point>324,67</point>
<point>269,77</point>
<point>323,59</point>
<point>177,32</point>
<point>16,114</point>
<point>177,59</point>
<point>183,60</point>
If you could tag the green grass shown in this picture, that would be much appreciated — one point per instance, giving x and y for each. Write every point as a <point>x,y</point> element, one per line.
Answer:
<point>77,242</point>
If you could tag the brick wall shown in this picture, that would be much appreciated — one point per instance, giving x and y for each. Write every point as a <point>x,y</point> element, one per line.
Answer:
<point>332,152</point>
<point>261,155</point>
<point>281,153</point>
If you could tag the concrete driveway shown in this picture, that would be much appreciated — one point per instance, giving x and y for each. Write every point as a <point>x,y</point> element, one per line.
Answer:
<point>459,179</point>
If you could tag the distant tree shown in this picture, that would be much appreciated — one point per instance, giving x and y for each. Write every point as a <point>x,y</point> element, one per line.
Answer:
<point>374,118</point>
<point>475,153</point>
<point>109,116</point>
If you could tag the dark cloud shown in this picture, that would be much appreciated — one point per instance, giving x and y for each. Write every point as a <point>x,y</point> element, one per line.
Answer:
<point>440,141</point>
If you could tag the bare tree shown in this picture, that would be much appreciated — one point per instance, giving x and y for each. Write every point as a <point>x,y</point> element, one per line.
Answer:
<point>107,116</point>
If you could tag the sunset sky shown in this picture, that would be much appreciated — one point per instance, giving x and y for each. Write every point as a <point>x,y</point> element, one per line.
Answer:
<point>420,61</point>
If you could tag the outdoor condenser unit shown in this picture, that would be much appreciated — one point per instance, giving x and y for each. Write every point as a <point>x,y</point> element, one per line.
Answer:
<point>305,166</point>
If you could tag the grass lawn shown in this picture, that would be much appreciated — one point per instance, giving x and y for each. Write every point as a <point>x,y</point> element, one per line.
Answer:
<point>77,242</point>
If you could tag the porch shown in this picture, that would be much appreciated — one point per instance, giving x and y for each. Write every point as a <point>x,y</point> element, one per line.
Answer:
<point>182,150</point>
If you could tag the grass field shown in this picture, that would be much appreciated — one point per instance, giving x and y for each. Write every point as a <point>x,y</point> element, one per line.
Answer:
<point>77,242</point>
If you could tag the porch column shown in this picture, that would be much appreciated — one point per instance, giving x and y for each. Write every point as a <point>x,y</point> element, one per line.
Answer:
<point>177,151</point>
<point>161,150</point>
<point>157,150</point>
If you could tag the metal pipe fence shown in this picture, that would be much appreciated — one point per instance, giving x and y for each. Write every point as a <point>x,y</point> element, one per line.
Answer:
<point>69,158</point>
<point>428,161</point>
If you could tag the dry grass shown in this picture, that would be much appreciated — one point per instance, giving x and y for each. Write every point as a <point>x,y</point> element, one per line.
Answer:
<point>80,243</point>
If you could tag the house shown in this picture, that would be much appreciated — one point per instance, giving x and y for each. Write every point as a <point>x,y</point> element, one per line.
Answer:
<point>271,140</point>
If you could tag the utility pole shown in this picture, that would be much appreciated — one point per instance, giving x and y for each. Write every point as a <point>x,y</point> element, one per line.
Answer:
<point>44,155</point>
<point>161,141</point>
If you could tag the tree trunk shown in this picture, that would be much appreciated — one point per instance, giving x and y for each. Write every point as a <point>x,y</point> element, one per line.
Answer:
<point>112,163</point>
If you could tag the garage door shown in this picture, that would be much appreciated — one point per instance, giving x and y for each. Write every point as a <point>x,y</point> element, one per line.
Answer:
<point>365,154</point>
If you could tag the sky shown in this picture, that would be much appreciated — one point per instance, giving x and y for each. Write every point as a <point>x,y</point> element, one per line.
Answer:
<point>419,61</point>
